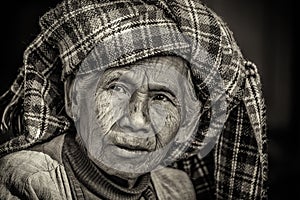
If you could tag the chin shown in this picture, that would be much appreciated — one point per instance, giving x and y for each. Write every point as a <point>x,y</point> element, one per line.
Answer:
<point>129,166</point>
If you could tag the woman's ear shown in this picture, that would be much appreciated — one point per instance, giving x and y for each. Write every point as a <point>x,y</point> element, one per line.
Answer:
<point>192,109</point>
<point>189,126</point>
<point>71,105</point>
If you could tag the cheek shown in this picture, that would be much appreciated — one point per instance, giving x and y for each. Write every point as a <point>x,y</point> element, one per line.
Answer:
<point>109,109</point>
<point>165,120</point>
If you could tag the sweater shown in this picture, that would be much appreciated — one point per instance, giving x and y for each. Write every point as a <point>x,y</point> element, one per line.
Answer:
<point>52,171</point>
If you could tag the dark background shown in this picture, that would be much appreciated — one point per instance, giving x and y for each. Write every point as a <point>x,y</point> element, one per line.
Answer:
<point>266,33</point>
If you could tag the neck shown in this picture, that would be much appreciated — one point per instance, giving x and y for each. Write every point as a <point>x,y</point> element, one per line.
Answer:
<point>123,181</point>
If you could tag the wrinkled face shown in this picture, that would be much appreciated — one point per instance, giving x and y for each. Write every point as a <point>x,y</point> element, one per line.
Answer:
<point>134,114</point>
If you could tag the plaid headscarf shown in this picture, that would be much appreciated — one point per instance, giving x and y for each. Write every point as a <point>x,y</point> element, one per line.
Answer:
<point>32,109</point>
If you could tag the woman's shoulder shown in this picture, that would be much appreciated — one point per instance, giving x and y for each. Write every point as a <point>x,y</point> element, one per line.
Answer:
<point>32,173</point>
<point>27,161</point>
<point>172,183</point>
<point>40,158</point>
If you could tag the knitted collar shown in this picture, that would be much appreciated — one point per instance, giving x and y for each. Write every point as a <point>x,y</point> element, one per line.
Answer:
<point>96,180</point>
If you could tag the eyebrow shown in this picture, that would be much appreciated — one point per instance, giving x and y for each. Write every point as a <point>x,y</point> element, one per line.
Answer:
<point>112,75</point>
<point>158,87</point>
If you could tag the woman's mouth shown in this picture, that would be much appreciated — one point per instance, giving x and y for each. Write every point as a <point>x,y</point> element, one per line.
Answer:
<point>128,151</point>
<point>130,147</point>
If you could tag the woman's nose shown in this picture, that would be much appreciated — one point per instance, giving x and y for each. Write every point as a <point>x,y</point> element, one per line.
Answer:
<point>136,119</point>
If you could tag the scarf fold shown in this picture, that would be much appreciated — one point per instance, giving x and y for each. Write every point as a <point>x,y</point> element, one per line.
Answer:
<point>233,118</point>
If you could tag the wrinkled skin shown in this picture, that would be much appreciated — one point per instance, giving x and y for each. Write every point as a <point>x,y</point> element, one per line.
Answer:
<point>129,123</point>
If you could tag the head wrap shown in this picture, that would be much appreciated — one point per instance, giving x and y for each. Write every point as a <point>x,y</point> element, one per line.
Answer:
<point>32,110</point>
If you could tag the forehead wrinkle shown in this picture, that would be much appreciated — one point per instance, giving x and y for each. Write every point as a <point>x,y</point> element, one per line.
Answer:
<point>157,72</point>
<point>152,71</point>
<point>162,81</point>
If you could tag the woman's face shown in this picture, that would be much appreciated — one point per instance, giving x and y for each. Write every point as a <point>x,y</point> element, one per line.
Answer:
<point>136,112</point>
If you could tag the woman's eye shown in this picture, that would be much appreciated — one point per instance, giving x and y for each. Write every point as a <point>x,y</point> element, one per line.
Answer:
<point>117,88</point>
<point>161,97</point>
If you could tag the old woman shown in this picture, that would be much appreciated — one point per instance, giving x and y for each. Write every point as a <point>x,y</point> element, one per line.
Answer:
<point>133,99</point>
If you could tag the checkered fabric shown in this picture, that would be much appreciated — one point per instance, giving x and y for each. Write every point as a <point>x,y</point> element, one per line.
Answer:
<point>111,33</point>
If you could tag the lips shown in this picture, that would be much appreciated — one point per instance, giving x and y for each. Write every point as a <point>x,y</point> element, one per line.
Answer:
<point>133,148</point>
<point>120,151</point>
<point>131,143</point>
